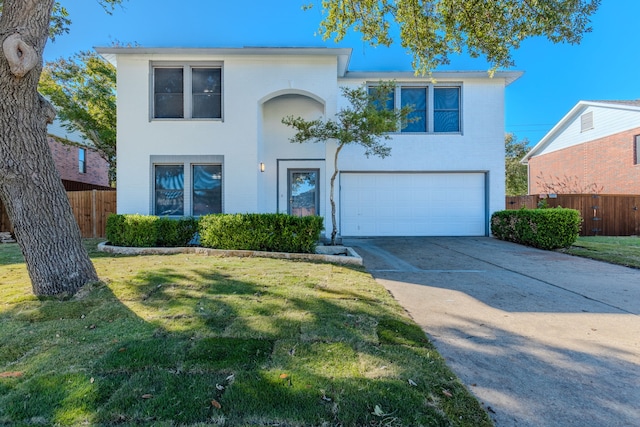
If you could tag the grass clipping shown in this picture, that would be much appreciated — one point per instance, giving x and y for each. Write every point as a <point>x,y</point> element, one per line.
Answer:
<point>193,340</point>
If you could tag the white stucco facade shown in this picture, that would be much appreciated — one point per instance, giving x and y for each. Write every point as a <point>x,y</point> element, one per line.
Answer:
<point>259,88</point>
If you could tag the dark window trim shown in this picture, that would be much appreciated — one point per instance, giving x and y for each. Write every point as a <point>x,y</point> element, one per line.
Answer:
<point>187,89</point>
<point>187,161</point>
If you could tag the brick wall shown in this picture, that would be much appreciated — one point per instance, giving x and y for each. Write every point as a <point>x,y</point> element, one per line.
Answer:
<point>66,160</point>
<point>607,162</point>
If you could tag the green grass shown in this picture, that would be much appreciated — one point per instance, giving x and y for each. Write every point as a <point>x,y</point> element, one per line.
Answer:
<point>616,250</point>
<point>191,340</point>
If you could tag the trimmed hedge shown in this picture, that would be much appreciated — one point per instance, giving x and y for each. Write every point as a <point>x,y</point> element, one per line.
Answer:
<point>540,228</point>
<point>261,232</point>
<point>150,231</point>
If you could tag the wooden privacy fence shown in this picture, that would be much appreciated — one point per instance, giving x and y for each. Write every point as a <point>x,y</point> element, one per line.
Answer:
<point>602,214</point>
<point>90,208</point>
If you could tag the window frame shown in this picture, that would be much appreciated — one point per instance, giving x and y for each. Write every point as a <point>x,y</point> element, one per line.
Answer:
<point>430,104</point>
<point>187,89</point>
<point>636,150</point>
<point>459,109</point>
<point>187,162</point>
<point>193,188</point>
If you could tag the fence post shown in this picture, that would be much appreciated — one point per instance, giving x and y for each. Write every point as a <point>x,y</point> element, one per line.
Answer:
<point>94,216</point>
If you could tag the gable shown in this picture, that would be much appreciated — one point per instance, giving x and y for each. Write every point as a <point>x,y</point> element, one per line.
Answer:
<point>588,121</point>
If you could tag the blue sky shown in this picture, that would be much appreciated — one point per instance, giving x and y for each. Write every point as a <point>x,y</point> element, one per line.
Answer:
<point>605,66</point>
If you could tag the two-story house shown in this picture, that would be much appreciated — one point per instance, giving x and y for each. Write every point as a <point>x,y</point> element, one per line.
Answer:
<point>200,131</point>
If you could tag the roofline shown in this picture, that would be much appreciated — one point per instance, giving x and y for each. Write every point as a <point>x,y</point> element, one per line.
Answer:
<point>343,54</point>
<point>546,139</point>
<point>344,57</point>
<point>509,76</point>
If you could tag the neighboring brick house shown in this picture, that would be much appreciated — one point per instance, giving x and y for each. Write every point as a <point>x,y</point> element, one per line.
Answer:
<point>80,166</point>
<point>594,148</point>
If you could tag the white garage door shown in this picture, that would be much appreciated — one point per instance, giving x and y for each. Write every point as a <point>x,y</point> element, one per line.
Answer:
<point>412,204</point>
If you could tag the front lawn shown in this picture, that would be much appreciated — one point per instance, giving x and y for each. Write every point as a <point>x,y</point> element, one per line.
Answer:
<point>194,340</point>
<point>616,250</point>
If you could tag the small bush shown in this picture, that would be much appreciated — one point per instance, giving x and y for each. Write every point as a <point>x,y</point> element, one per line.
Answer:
<point>176,232</point>
<point>149,231</point>
<point>540,228</point>
<point>261,232</point>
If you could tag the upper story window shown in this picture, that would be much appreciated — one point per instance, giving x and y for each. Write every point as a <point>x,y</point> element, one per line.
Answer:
<point>636,150</point>
<point>435,109</point>
<point>446,109</point>
<point>82,160</point>
<point>187,92</point>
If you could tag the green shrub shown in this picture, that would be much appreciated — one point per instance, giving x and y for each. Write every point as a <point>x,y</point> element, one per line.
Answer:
<point>176,232</point>
<point>131,230</point>
<point>261,232</point>
<point>149,231</point>
<point>540,228</point>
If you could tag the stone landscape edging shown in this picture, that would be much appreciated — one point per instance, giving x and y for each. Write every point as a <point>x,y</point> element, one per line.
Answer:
<point>323,253</point>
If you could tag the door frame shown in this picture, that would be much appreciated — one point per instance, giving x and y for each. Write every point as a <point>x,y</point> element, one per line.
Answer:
<point>282,185</point>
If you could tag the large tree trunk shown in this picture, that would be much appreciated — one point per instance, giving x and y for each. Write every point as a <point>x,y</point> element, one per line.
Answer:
<point>30,186</point>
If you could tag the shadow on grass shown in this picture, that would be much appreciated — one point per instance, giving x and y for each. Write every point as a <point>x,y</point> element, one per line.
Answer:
<point>172,347</point>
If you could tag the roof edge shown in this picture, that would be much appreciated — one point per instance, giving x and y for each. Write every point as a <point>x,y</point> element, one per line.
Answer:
<point>110,52</point>
<point>508,76</point>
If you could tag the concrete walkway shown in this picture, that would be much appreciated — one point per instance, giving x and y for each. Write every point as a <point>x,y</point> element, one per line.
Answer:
<point>541,338</point>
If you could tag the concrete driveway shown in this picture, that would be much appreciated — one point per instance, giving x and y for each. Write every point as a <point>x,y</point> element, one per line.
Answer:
<point>541,338</point>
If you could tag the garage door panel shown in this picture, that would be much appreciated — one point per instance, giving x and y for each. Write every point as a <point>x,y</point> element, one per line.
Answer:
<point>412,204</point>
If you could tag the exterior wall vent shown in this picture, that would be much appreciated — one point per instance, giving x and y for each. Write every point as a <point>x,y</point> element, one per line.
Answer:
<point>586,121</point>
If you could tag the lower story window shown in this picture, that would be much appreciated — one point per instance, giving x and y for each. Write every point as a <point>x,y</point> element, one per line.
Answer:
<point>207,189</point>
<point>169,190</point>
<point>187,189</point>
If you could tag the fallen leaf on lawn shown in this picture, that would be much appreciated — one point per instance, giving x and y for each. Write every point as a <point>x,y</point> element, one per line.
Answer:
<point>231,378</point>
<point>147,396</point>
<point>215,404</point>
<point>377,411</point>
<point>122,349</point>
<point>447,392</point>
<point>92,380</point>
<point>13,374</point>
<point>283,376</point>
<point>219,387</point>
<point>412,382</point>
